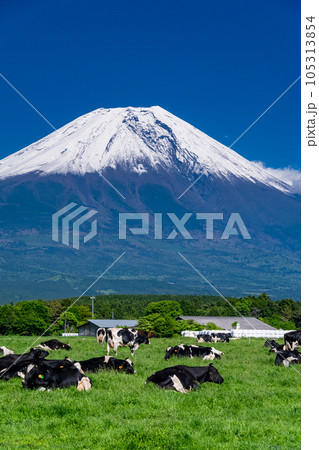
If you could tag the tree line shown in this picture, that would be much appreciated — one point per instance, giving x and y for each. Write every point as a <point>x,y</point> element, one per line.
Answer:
<point>154,312</point>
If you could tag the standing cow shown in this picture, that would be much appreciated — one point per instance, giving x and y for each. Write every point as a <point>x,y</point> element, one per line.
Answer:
<point>124,337</point>
<point>292,340</point>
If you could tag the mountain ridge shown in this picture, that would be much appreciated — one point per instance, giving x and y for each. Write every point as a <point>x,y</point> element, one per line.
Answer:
<point>137,139</point>
<point>150,157</point>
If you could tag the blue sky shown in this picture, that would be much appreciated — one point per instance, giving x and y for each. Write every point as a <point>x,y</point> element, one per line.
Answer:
<point>217,65</point>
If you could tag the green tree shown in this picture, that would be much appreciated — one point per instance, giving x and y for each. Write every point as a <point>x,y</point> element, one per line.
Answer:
<point>166,308</point>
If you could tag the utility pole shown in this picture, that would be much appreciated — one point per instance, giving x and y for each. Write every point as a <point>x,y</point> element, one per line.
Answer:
<point>112,314</point>
<point>92,298</point>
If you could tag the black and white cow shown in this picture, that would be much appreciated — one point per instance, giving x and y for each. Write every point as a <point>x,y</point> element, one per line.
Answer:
<point>101,335</point>
<point>5,351</point>
<point>106,363</point>
<point>54,344</point>
<point>43,377</point>
<point>204,338</point>
<point>54,363</point>
<point>292,340</point>
<point>184,378</point>
<point>287,357</point>
<point>180,350</point>
<point>12,365</point>
<point>124,337</point>
<point>214,337</point>
<point>275,346</point>
<point>221,337</point>
<point>271,343</point>
<point>207,353</point>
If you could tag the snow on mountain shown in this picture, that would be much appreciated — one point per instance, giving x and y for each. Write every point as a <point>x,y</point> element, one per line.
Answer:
<point>135,139</point>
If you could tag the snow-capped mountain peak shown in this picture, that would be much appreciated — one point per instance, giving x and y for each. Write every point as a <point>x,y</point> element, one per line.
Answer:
<point>137,140</point>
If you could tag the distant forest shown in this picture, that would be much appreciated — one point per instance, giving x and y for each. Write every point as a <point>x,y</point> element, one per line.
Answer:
<point>35,316</point>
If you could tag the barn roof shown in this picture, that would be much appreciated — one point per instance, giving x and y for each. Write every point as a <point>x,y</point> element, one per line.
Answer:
<point>245,323</point>
<point>112,323</point>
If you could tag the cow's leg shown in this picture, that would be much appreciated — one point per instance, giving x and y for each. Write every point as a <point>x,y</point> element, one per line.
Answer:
<point>134,348</point>
<point>286,363</point>
<point>115,349</point>
<point>107,348</point>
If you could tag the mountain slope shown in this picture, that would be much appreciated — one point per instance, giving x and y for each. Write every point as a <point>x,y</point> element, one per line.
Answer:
<point>137,139</point>
<point>150,157</point>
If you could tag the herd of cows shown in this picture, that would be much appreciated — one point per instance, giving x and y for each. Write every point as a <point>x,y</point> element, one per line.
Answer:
<point>287,353</point>
<point>37,372</point>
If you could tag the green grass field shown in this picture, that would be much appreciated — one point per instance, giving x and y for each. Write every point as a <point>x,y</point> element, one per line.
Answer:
<point>257,406</point>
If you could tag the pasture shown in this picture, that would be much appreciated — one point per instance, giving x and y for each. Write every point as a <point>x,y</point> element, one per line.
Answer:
<point>257,407</point>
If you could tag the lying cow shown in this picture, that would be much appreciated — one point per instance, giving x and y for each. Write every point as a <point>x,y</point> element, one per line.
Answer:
<point>275,346</point>
<point>207,353</point>
<point>287,357</point>
<point>54,344</point>
<point>106,363</point>
<point>292,340</point>
<point>43,377</point>
<point>179,350</point>
<point>204,338</point>
<point>53,363</point>
<point>214,337</point>
<point>278,348</point>
<point>271,343</point>
<point>101,335</point>
<point>183,378</point>
<point>221,337</point>
<point>12,365</point>
<point>124,337</point>
<point>5,351</point>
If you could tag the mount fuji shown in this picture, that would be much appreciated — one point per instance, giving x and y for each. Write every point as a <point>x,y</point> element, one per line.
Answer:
<point>143,160</point>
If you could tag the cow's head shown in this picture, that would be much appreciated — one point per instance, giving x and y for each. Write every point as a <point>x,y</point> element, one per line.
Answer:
<point>128,366</point>
<point>169,352</point>
<point>295,357</point>
<point>268,343</point>
<point>66,347</point>
<point>142,339</point>
<point>35,377</point>
<point>213,376</point>
<point>37,353</point>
